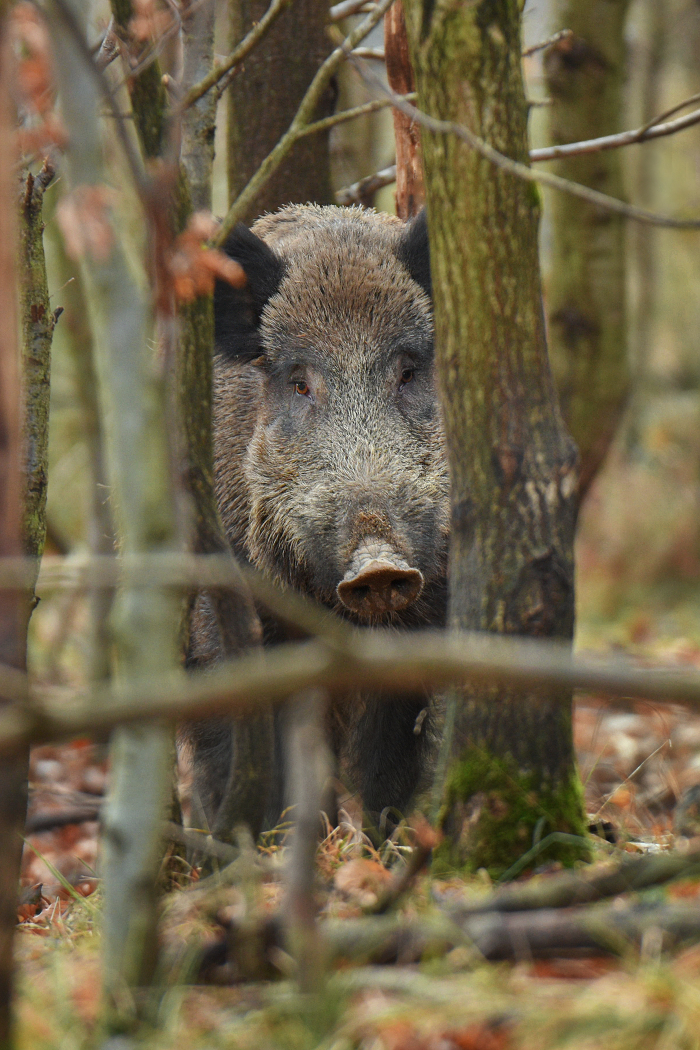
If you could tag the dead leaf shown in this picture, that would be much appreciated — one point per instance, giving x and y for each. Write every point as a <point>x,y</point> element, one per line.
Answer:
<point>362,880</point>
<point>194,268</point>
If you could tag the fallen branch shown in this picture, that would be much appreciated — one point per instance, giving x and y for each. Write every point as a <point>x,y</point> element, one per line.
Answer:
<point>49,820</point>
<point>386,940</point>
<point>569,888</point>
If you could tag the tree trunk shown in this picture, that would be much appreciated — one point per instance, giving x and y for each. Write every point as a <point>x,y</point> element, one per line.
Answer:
<point>13,604</point>
<point>145,620</point>
<point>410,191</point>
<point>513,467</point>
<point>586,290</point>
<point>264,97</point>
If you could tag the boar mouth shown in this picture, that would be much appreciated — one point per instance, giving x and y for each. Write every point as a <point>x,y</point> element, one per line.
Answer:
<point>378,581</point>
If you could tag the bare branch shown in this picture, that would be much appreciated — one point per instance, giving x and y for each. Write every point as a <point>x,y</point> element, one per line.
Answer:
<point>358,192</point>
<point>355,193</point>
<point>516,168</point>
<point>109,48</point>
<point>377,660</point>
<point>236,57</point>
<point>376,54</point>
<point>556,38</point>
<point>301,120</point>
<point>349,7</point>
<point>350,114</point>
<point>622,138</point>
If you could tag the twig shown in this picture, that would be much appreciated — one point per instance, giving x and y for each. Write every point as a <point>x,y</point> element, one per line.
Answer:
<point>691,100</point>
<point>355,193</point>
<point>349,7</point>
<point>201,842</point>
<point>109,48</point>
<point>350,114</point>
<point>406,877</point>
<point>563,34</point>
<point>301,120</point>
<point>628,778</point>
<point>516,168</point>
<point>622,138</point>
<point>360,191</point>
<point>190,571</point>
<point>133,160</point>
<point>236,57</point>
<point>375,54</point>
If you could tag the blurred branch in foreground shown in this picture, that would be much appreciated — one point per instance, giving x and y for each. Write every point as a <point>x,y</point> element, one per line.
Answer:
<point>426,660</point>
<point>145,625</point>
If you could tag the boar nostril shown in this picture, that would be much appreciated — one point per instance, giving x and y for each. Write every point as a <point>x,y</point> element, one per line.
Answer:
<point>380,587</point>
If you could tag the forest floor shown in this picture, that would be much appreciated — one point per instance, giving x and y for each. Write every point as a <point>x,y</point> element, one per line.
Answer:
<point>636,760</point>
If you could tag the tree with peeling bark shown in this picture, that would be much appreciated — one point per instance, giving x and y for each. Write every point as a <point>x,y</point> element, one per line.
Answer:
<point>510,774</point>
<point>586,298</point>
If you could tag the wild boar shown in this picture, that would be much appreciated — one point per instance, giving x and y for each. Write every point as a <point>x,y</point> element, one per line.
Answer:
<point>331,473</point>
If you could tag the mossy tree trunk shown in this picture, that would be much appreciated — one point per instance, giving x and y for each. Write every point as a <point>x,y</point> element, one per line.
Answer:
<point>586,289</point>
<point>264,97</point>
<point>513,469</point>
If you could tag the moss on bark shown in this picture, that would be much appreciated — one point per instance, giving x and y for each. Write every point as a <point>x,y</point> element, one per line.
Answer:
<point>512,465</point>
<point>493,813</point>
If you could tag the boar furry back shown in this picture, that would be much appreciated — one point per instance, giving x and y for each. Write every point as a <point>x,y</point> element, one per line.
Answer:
<point>329,460</point>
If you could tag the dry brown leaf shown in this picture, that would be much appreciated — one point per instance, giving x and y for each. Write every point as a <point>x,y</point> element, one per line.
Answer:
<point>193,267</point>
<point>34,74</point>
<point>362,880</point>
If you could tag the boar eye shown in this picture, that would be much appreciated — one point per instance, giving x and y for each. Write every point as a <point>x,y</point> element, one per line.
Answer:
<point>407,376</point>
<point>302,388</point>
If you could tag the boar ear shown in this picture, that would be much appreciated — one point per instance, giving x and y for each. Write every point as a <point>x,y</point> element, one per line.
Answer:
<point>414,251</point>
<point>237,310</point>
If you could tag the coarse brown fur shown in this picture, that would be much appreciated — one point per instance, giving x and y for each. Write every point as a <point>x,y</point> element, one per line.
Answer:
<point>321,441</point>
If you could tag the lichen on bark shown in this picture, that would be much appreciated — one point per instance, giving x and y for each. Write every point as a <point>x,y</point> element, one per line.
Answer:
<point>513,468</point>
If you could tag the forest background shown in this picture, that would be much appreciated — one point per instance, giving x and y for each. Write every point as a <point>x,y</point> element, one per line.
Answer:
<point>638,542</point>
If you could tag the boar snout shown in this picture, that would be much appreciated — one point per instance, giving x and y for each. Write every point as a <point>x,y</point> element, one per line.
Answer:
<point>378,581</point>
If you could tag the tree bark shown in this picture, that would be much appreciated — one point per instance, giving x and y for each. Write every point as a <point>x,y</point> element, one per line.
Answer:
<point>410,191</point>
<point>586,290</point>
<point>511,773</point>
<point>264,97</point>
<point>145,621</point>
<point>14,610</point>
